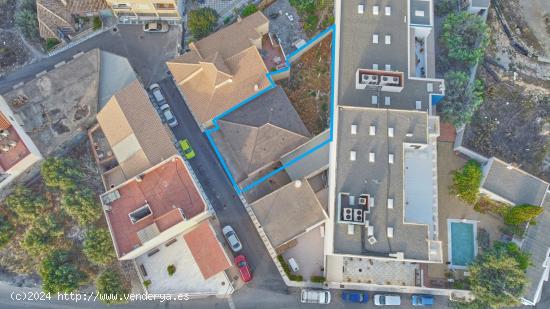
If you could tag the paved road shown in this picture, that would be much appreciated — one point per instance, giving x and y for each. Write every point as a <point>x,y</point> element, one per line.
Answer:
<point>146,52</point>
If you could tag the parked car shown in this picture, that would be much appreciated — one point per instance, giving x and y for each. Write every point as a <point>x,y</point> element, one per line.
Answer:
<point>358,297</point>
<point>167,113</point>
<point>315,297</point>
<point>387,300</point>
<point>156,26</point>
<point>422,300</point>
<point>157,94</point>
<point>188,151</point>
<point>244,269</point>
<point>232,239</point>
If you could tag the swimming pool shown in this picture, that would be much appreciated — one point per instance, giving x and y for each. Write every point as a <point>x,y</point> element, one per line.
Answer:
<point>462,242</point>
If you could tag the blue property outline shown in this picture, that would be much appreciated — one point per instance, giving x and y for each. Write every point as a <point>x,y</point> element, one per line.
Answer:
<point>271,86</point>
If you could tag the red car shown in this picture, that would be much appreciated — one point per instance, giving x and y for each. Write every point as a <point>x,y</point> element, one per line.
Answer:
<point>242,263</point>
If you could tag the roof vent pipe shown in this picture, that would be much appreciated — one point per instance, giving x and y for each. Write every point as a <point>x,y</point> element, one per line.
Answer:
<point>298,184</point>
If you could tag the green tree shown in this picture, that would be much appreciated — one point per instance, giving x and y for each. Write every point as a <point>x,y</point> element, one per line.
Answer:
<point>26,205</point>
<point>466,36</point>
<point>522,258</point>
<point>59,273</point>
<point>112,283</point>
<point>461,98</point>
<point>25,19</point>
<point>522,213</point>
<point>40,238</point>
<point>6,231</point>
<point>98,247</point>
<point>201,22</point>
<point>82,205</point>
<point>249,10</point>
<point>466,182</point>
<point>61,173</point>
<point>496,278</point>
<point>304,6</point>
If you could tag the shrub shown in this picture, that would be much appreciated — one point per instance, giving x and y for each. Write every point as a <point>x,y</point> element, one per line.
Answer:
<point>486,205</point>
<point>444,7</point>
<point>287,270</point>
<point>466,182</point>
<point>318,279</point>
<point>98,247</point>
<point>61,173</point>
<point>112,283</point>
<point>51,43</point>
<point>26,21</point>
<point>42,236</point>
<point>466,36</point>
<point>522,213</point>
<point>82,205</point>
<point>201,22</point>
<point>26,205</point>
<point>147,283</point>
<point>483,238</point>
<point>6,231</point>
<point>511,249</point>
<point>59,274</point>
<point>304,6</point>
<point>97,24</point>
<point>310,23</point>
<point>249,10</point>
<point>171,269</point>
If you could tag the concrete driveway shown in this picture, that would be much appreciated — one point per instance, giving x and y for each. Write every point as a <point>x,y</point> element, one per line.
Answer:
<point>146,52</point>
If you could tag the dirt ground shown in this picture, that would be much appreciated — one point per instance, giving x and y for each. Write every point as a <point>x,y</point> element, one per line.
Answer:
<point>308,87</point>
<point>513,124</point>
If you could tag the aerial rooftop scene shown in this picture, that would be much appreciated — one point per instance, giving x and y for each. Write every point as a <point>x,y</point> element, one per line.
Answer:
<point>274,154</point>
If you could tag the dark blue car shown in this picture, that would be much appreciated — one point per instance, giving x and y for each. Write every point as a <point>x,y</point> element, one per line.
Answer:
<point>355,297</point>
<point>422,300</point>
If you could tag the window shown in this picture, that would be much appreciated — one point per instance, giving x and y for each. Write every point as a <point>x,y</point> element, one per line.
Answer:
<point>387,67</point>
<point>372,130</point>
<point>352,155</point>
<point>140,213</point>
<point>375,66</point>
<point>390,132</point>
<point>418,104</point>
<point>390,158</point>
<point>360,9</point>
<point>387,39</point>
<point>375,38</point>
<point>390,203</point>
<point>430,87</point>
<point>419,13</point>
<point>371,157</point>
<point>353,129</point>
<point>387,100</point>
<point>375,9</point>
<point>374,99</point>
<point>388,10</point>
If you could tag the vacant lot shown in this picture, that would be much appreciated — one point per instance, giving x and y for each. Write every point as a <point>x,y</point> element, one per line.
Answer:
<point>514,125</point>
<point>309,86</point>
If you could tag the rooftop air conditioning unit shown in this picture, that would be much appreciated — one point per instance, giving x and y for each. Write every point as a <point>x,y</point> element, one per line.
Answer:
<point>362,201</point>
<point>395,80</point>
<point>358,215</point>
<point>347,215</point>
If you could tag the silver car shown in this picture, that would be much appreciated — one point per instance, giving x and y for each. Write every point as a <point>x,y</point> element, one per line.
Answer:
<point>157,94</point>
<point>232,239</point>
<point>167,113</point>
<point>156,26</point>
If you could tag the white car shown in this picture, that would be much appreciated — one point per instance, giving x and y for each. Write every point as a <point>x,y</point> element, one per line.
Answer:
<point>157,94</point>
<point>290,17</point>
<point>387,300</point>
<point>232,239</point>
<point>156,26</point>
<point>167,113</point>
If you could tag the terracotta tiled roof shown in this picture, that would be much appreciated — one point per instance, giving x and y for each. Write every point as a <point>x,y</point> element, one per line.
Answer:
<point>167,189</point>
<point>129,117</point>
<point>222,69</point>
<point>4,123</point>
<point>206,250</point>
<point>52,14</point>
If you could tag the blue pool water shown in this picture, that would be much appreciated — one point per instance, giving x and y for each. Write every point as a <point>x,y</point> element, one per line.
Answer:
<point>462,242</point>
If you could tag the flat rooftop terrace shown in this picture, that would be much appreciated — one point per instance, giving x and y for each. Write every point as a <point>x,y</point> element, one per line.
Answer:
<point>357,51</point>
<point>379,133</point>
<point>169,192</point>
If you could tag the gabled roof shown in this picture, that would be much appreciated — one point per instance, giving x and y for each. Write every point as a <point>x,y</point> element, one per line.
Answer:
<point>513,184</point>
<point>134,130</point>
<point>222,69</point>
<point>260,132</point>
<point>206,250</point>
<point>288,212</point>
